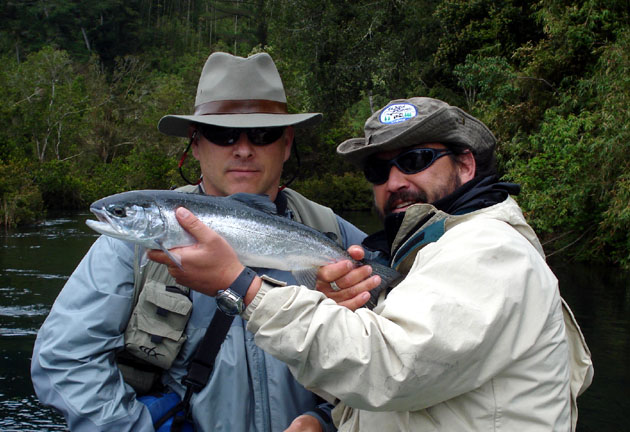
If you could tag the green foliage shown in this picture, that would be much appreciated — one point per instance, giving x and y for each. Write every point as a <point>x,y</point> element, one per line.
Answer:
<point>60,184</point>
<point>341,193</point>
<point>80,28</point>
<point>20,199</point>
<point>575,170</point>
<point>615,226</point>
<point>491,80</point>
<point>83,85</point>
<point>559,181</point>
<point>47,102</point>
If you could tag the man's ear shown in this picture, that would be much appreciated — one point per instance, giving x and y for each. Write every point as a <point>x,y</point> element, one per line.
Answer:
<point>193,136</point>
<point>289,134</point>
<point>466,166</point>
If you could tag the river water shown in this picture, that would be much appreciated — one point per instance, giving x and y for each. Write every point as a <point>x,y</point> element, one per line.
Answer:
<point>35,262</point>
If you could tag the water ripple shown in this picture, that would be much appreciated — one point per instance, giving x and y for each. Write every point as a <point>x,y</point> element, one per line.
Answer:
<point>16,332</point>
<point>24,311</point>
<point>53,235</point>
<point>35,273</point>
<point>27,414</point>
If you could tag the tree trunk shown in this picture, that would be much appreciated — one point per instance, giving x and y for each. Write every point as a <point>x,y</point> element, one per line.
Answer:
<point>85,38</point>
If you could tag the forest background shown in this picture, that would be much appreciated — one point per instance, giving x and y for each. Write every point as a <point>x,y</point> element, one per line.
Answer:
<point>84,83</point>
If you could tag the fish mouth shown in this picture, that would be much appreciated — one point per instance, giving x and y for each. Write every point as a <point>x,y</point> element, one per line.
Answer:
<point>105,224</point>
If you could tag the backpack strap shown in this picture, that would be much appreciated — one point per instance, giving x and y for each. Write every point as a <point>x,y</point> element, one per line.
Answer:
<point>200,368</point>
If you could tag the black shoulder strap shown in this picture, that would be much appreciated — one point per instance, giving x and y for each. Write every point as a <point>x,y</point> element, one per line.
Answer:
<point>200,368</point>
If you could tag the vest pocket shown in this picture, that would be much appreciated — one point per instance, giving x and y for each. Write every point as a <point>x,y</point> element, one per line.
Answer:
<point>156,329</point>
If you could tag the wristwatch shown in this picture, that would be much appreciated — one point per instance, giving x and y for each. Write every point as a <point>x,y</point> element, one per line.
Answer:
<point>230,301</point>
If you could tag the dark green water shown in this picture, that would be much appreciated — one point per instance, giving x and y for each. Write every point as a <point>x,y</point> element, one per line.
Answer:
<point>35,263</point>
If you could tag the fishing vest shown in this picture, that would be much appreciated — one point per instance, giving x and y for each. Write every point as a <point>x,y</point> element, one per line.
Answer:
<point>155,332</point>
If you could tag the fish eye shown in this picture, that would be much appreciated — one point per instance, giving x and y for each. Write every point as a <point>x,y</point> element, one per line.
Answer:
<point>118,211</point>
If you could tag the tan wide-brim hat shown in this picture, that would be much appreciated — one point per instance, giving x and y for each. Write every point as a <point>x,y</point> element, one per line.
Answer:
<point>238,92</point>
<point>419,120</point>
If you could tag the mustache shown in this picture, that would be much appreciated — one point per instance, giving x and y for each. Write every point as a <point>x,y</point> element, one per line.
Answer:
<point>415,197</point>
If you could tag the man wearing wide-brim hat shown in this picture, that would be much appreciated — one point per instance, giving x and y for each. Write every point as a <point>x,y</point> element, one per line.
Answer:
<point>238,98</point>
<point>475,337</point>
<point>242,133</point>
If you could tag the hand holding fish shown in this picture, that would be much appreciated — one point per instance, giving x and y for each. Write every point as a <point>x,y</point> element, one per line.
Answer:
<point>258,236</point>
<point>353,283</point>
<point>207,266</point>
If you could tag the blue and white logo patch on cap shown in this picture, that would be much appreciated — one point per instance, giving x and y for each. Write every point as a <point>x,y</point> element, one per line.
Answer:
<point>397,113</point>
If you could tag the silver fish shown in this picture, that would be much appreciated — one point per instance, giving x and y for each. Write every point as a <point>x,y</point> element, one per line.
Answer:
<point>259,237</point>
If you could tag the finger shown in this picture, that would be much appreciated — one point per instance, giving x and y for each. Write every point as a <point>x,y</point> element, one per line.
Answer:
<point>356,252</point>
<point>158,256</point>
<point>354,277</point>
<point>347,281</point>
<point>192,224</point>
<point>162,257</point>
<point>357,301</point>
<point>341,297</point>
<point>334,271</point>
<point>356,289</point>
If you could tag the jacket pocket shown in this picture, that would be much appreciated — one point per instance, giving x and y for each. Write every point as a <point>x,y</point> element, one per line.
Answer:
<point>156,329</point>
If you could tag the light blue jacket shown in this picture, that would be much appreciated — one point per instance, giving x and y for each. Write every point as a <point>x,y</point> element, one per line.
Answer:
<point>74,370</point>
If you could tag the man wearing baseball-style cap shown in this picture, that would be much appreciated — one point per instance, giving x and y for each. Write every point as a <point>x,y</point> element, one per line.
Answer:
<point>174,359</point>
<point>475,336</point>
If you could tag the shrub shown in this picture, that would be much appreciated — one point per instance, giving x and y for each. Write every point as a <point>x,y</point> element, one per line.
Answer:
<point>20,199</point>
<point>349,192</point>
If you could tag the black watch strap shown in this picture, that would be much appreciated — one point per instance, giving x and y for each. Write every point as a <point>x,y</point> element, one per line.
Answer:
<point>243,281</point>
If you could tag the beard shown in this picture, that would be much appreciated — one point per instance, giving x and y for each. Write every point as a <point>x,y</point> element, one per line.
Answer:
<point>419,196</point>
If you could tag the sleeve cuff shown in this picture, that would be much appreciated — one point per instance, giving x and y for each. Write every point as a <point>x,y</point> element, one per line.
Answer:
<point>268,283</point>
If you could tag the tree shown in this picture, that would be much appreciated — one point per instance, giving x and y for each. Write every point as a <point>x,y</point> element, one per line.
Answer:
<point>50,104</point>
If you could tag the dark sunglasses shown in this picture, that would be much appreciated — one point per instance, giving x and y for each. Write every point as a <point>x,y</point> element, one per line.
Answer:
<point>224,136</point>
<point>410,162</point>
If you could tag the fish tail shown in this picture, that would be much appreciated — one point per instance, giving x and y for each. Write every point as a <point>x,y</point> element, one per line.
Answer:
<point>389,279</point>
<point>307,277</point>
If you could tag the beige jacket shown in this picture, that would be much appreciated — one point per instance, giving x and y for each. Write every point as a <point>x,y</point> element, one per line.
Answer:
<point>475,338</point>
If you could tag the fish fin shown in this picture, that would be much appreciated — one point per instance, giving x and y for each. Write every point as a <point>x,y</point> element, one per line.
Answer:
<point>174,257</point>
<point>307,277</point>
<point>389,279</point>
<point>257,201</point>
<point>143,259</point>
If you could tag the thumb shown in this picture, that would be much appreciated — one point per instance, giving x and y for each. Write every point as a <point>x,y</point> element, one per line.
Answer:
<point>191,223</point>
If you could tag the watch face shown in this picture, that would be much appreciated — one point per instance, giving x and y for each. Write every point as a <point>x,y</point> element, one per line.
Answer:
<point>229,302</point>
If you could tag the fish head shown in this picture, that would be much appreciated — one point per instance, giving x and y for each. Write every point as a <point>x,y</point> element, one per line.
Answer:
<point>127,217</point>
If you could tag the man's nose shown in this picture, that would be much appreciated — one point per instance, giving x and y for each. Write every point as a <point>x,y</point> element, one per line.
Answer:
<point>397,179</point>
<point>243,147</point>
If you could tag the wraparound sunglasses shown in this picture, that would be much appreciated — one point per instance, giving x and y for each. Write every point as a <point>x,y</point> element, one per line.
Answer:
<point>224,136</point>
<point>410,162</point>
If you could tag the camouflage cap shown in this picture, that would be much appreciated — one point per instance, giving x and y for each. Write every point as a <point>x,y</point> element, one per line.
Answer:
<point>418,120</point>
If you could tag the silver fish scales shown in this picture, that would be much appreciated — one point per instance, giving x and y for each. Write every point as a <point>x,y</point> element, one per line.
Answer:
<point>259,237</point>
